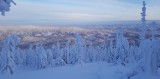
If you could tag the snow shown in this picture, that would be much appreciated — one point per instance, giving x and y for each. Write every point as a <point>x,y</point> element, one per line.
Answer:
<point>146,76</point>
<point>100,70</point>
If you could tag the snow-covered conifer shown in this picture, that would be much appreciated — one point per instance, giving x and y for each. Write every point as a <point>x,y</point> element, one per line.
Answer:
<point>110,52</point>
<point>49,53</point>
<point>79,47</point>
<point>41,57</point>
<point>7,53</point>
<point>66,53</point>
<point>122,47</point>
<point>31,57</point>
<point>18,56</point>
<point>58,61</point>
<point>90,54</point>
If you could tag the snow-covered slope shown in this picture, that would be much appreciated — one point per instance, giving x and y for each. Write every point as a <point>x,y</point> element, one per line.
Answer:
<point>100,70</point>
<point>79,71</point>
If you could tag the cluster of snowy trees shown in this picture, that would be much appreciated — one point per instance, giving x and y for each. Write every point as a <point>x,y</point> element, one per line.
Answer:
<point>5,6</point>
<point>145,56</point>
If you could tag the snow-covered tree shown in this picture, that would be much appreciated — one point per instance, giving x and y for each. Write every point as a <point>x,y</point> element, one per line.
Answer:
<point>41,57</point>
<point>149,49</point>
<point>99,54</point>
<point>58,61</point>
<point>122,47</point>
<point>5,6</point>
<point>133,54</point>
<point>7,54</point>
<point>18,56</point>
<point>72,55</point>
<point>110,51</point>
<point>50,58</point>
<point>90,54</point>
<point>79,48</point>
<point>31,57</point>
<point>155,56</point>
<point>67,55</point>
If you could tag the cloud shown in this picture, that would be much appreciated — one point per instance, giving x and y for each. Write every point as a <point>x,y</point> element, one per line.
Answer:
<point>59,11</point>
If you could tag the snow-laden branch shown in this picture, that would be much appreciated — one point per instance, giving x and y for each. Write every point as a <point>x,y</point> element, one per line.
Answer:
<point>5,6</point>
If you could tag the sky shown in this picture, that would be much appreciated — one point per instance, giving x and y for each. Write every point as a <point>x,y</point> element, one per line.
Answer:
<point>79,11</point>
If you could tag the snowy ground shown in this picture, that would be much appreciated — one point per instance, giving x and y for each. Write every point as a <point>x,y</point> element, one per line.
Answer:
<point>99,70</point>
